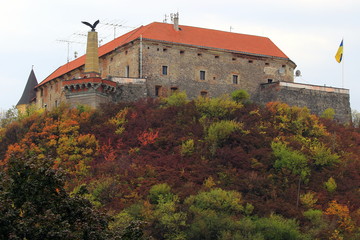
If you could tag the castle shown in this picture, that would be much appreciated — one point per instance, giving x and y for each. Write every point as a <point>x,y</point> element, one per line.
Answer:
<point>160,58</point>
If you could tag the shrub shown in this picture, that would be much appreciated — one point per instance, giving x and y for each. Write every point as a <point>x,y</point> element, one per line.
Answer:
<point>330,185</point>
<point>322,155</point>
<point>220,131</point>
<point>240,96</point>
<point>308,199</point>
<point>158,191</point>
<point>176,99</point>
<point>290,159</point>
<point>187,147</point>
<point>220,107</point>
<point>328,113</point>
<point>278,228</point>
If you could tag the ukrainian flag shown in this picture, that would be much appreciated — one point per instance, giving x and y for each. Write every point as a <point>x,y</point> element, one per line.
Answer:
<point>339,53</point>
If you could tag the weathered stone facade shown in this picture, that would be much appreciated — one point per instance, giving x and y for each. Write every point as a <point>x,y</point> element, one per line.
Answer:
<point>315,98</point>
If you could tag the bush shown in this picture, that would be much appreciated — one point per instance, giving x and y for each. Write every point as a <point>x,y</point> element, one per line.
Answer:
<point>330,185</point>
<point>219,108</point>
<point>218,132</point>
<point>240,96</point>
<point>278,228</point>
<point>328,113</point>
<point>158,191</point>
<point>322,155</point>
<point>290,159</point>
<point>187,147</point>
<point>176,99</point>
<point>308,199</point>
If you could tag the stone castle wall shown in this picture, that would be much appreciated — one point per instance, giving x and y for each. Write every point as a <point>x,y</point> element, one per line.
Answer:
<point>184,64</point>
<point>315,98</point>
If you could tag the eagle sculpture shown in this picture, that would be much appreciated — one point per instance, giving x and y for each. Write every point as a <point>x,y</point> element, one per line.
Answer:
<point>93,26</point>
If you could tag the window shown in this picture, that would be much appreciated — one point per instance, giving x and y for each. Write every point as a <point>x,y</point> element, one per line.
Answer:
<point>182,51</point>
<point>199,54</point>
<point>173,89</point>
<point>270,80</point>
<point>235,79</point>
<point>164,49</point>
<point>127,71</point>
<point>56,103</point>
<point>164,70</point>
<point>233,59</point>
<point>250,61</point>
<point>202,75</point>
<point>267,64</point>
<point>203,93</point>
<point>216,56</point>
<point>157,91</point>
<point>41,92</point>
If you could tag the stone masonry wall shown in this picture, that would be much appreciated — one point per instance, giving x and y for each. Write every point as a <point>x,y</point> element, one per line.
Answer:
<point>184,64</point>
<point>315,101</point>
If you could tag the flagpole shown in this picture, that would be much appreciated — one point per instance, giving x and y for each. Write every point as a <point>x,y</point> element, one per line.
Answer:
<point>343,65</point>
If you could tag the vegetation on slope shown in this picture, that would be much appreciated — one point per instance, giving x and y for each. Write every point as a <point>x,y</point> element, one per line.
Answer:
<point>177,169</point>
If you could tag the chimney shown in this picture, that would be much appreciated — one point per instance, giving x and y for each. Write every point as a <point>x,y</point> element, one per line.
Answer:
<point>92,68</point>
<point>175,18</point>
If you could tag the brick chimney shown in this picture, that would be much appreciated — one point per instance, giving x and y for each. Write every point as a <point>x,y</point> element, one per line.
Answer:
<point>92,68</point>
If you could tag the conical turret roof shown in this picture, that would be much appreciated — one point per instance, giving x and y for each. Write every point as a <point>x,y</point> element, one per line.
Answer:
<point>29,92</point>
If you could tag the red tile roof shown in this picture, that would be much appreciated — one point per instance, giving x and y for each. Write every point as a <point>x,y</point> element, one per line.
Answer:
<point>195,36</point>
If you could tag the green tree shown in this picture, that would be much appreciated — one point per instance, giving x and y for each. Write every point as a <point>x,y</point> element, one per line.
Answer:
<point>34,205</point>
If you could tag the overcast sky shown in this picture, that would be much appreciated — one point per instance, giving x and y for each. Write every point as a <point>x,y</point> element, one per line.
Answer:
<point>307,31</point>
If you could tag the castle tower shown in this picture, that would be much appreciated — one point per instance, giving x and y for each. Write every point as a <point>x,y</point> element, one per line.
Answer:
<point>29,94</point>
<point>92,68</point>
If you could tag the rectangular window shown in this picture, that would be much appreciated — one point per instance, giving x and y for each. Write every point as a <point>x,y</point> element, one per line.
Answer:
<point>203,93</point>
<point>157,91</point>
<point>235,79</point>
<point>202,75</point>
<point>127,71</point>
<point>164,70</point>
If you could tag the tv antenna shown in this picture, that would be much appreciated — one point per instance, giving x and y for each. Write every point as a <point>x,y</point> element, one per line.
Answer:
<point>165,18</point>
<point>115,25</point>
<point>68,46</point>
<point>297,73</point>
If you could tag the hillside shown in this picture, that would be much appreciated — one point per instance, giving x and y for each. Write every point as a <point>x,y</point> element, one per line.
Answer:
<point>176,169</point>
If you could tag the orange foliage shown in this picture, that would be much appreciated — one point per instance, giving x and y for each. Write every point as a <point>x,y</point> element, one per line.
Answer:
<point>148,137</point>
<point>343,215</point>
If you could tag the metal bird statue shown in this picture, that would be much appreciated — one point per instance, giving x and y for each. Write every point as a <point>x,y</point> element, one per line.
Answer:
<point>93,26</point>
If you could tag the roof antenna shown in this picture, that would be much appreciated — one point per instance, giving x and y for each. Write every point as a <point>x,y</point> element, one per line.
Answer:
<point>165,19</point>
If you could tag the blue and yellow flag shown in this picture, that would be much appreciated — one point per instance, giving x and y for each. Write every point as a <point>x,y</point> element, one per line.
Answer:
<point>339,53</point>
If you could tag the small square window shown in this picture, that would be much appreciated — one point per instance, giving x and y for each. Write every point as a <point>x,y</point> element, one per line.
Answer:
<point>250,61</point>
<point>182,51</point>
<point>164,70</point>
<point>164,49</point>
<point>203,93</point>
<point>235,79</point>
<point>199,54</point>
<point>202,75</point>
<point>270,80</point>
<point>233,59</point>
<point>216,56</point>
<point>267,64</point>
